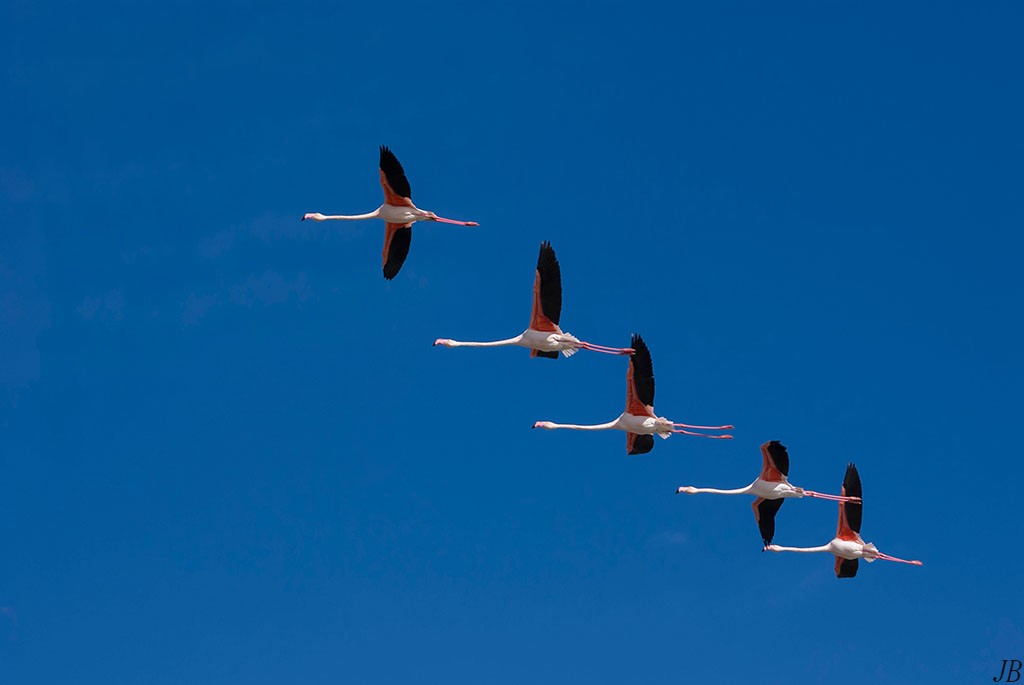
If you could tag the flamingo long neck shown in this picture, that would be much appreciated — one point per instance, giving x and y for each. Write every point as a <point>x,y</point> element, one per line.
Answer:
<point>716,491</point>
<point>496,343</point>
<point>353,217</point>
<point>780,548</point>
<point>593,427</point>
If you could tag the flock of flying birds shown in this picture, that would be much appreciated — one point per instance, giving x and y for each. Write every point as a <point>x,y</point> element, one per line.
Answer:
<point>544,338</point>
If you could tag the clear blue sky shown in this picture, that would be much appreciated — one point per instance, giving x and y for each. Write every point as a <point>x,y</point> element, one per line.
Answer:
<point>228,452</point>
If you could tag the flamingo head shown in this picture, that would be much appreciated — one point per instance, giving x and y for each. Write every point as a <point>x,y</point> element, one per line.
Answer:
<point>544,424</point>
<point>315,216</point>
<point>688,489</point>
<point>444,341</point>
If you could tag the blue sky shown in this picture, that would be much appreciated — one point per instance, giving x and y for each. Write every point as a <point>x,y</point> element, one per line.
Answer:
<point>230,453</point>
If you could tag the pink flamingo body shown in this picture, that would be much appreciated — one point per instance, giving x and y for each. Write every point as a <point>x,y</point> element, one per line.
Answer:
<point>398,213</point>
<point>639,420</point>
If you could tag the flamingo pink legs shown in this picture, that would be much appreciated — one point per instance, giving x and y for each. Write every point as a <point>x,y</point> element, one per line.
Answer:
<point>680,426</point>
<point>834,498</point>
<point>710,428</point>
<point>453,221</point>
<point>902,561</point>
<point>702,435</point>
<point>605,349</point>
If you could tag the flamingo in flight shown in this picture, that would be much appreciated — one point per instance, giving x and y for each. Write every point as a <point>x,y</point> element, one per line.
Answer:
<point>639,421</point>
<point>847,545</point>
<point>543,337</point>
<point>771,488</point>
<point>398,213</point>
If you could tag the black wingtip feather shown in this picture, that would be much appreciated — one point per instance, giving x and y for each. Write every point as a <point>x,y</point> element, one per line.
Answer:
<point>851,481</point>
<point>852,488</point>
<point>397,252</point>
<point>643,370</point>
<point>637,343</point>
<point>394,172</point>
<point>847,568</point>
<point>550,282</point>
<point>766,512</point>
<point>642,444</point>
<point>780,455</point>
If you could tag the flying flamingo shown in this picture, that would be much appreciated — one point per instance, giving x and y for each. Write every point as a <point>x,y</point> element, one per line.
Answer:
<point>771,488</point>
<point>847,545</point>
<point>639,420</point>
<point>398,212</point>
<point>544,337</point>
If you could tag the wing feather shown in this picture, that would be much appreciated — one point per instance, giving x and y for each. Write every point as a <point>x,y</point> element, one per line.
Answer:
<point>397,239</point>
<point>764,513</point>
<point>547,292</point>
<point>640,380</point>
<point>639,444</point>
<point>392,178</point>
<point>846,568</point>
<point>850,513</point>
<point>774,461</point>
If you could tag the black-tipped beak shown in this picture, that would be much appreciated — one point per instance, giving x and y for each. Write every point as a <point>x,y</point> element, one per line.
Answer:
<point>303,218</point>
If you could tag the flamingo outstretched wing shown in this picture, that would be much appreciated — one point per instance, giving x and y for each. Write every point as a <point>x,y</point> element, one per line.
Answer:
<point>774,462</point>
<point>397,238</point>
<point>640,380</point>
<point>764,513</point>
<point>846,568</point>
<point>547,292</point>
<point>639,444</point>
<point>850,514</point>
<point>392,178</point>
